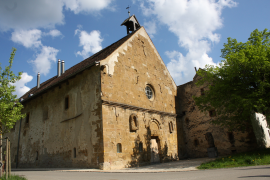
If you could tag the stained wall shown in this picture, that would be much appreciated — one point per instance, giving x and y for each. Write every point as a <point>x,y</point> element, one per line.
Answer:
<point>193,125</point>
<point>68,137</point>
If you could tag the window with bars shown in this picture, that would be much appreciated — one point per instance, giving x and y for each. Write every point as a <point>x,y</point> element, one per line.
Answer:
<point>149,92</point>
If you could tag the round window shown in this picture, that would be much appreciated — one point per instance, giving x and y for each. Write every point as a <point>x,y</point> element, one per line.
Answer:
<point>149,92</point>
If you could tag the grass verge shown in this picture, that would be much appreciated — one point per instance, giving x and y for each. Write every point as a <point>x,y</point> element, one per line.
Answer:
<point>13,177</point>
<point>252,158</point>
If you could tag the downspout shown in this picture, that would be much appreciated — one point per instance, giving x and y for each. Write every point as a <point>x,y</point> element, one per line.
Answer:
<point>100,159</point>
<point>18,144</point>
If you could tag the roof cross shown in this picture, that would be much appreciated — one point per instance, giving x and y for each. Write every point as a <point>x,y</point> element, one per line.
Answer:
<point>128,10</point>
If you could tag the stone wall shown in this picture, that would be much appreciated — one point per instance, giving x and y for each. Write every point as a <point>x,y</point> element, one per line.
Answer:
<point>59,137</point>
<point>193,125</point>
<point>150,125</point>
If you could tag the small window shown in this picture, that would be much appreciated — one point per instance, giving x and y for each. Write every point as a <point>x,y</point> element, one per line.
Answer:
<point>202,91</point>
<point>74,152</point>
<point>187,120</point>
<point>36,155</point>
<point>212,113</point>
<point>196,142</point>
<point>170,126</point>
<point>27,118</point>
<point>45,113</point>
<point>66,102</point>
<point>149,92</point>
<point>140,147</point>
<point>231,137</point>
<point>119,148</point>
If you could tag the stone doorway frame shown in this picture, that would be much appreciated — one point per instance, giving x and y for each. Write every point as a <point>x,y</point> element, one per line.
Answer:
<point>159,149</point>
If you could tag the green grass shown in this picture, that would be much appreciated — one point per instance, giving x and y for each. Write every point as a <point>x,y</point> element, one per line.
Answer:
<point>13,177</point>
<point>253,158</point>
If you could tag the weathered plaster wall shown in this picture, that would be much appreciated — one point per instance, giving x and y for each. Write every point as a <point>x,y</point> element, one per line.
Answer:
<point>51,142</point>
<point>193,125</point>
<point>124,77</point>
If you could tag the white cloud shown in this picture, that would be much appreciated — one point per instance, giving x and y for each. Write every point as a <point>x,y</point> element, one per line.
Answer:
<point>28,39</point>
<point>31,39</point>
<point>86,6</point>
<point>91,42</point>
<point>194,23</point>
<point>21,87</point>
<point>29,14</point>
<point>182,67</point>
<point>150,28</point>
<point>42,63</point>
<point>54,33</point>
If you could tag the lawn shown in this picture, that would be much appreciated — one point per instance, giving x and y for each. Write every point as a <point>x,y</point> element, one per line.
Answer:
<point>13,177</point>
<point>252,158</point>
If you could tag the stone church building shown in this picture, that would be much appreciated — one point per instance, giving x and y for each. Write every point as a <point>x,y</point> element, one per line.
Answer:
<point>114,109</point>
<point>118,108</point>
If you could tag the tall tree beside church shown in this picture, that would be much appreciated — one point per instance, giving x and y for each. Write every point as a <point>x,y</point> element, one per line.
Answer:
<point>10,107</point>
<point>240,85</point>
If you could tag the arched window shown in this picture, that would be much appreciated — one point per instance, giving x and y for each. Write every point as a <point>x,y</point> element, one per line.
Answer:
<point>119,148</point>
<point>133,123</point>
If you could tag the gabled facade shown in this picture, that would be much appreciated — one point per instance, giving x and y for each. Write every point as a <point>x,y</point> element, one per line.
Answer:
<point>113,110</point>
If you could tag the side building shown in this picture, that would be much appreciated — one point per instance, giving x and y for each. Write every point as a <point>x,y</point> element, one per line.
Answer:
<point>196,136</point>
<point>113,110</point>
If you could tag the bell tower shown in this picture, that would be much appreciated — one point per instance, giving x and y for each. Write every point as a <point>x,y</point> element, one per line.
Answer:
<point>131,23</point>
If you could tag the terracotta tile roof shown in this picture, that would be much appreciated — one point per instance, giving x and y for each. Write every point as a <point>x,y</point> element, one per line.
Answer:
<point>76,68</point>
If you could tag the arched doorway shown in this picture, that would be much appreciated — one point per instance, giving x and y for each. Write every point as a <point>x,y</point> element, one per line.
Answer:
<point>155,143</point>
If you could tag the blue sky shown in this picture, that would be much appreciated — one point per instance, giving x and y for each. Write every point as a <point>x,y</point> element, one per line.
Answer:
<point>186,33</point>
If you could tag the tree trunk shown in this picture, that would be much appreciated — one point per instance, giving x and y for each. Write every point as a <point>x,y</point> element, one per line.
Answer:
<point>9,160</point>
<point>1,161</point>
<point>6,161</point>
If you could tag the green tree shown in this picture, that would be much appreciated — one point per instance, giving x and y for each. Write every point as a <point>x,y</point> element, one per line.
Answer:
<point>240,85</point>
<point>10,107</point>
